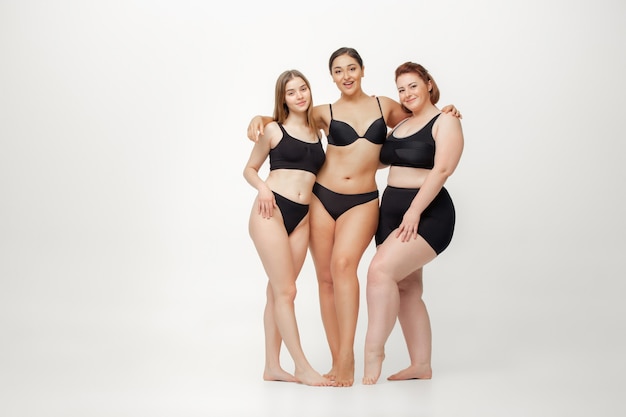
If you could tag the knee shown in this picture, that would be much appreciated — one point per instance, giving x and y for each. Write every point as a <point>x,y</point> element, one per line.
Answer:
<point>410,286</point>
<point>377,273</point>
<point>324,280</point>
<point>286,294</point>
<point>342,265</point>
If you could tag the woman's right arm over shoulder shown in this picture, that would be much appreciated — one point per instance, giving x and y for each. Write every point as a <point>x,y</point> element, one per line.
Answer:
<point>265,199</point>
<point>257,126</point>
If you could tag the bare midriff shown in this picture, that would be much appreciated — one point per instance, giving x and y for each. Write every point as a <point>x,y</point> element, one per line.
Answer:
<point>406,177</point>
<point>350,169</point>
<point>292,184</point>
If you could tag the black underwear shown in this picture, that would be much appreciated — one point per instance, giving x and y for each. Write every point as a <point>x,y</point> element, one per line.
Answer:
<point>436,224</point>
<point>336,204</point>
<point>292,212</point>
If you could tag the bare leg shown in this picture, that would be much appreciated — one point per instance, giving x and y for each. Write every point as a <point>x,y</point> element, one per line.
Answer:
<point>394,260</point>
<point>353,233</point>
<point>415,324</point>
<point>273,371</point>
<point>321,244</point>
<point>274,246</point>
<point>383,303</point>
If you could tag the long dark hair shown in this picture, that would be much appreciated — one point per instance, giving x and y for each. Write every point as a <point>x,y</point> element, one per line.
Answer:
<point>344,51</point>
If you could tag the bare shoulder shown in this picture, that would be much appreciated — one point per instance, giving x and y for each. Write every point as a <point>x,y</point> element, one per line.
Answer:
<point>447,126</point>
<point>271,133</point>
<point>449,120</point>
<point>387,103</point>
<point>393,111</point>
<point>321,113</point>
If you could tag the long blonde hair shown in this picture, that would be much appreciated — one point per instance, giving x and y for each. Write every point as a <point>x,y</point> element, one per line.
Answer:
<point>281,111</point>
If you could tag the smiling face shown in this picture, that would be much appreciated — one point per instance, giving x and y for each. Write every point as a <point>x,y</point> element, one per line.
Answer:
<point>297,95</point>
<point>347,73</point>
<point>413,92</point>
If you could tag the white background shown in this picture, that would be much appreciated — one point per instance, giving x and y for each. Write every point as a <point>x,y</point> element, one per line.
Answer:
<point>129,285</point>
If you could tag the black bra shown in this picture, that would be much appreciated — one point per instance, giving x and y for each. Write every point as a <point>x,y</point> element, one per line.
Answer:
<point>342,134</point>
<point>414,151</point>
<point>292,153</point>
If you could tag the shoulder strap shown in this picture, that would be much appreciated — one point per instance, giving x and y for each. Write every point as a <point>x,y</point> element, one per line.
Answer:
<point>379,106</point>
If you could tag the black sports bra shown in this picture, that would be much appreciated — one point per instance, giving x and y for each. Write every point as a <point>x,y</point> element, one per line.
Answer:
<point>414,151</point>
<point>292,153</point>
<point>342,134</point>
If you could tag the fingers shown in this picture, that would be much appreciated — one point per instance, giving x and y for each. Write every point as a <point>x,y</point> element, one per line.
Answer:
<point>406,233</point>
<point>261,129</point>
<point>266,209</point>
<point>254,132</point>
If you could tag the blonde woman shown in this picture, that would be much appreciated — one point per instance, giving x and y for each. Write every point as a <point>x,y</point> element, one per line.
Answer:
<point>279,220</point>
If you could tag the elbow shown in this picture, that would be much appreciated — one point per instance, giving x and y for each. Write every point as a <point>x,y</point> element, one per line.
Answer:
<point>444,172</point>
<point>246,173</point>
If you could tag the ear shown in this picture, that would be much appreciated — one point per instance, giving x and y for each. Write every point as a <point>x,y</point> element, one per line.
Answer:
<point>430,86</point>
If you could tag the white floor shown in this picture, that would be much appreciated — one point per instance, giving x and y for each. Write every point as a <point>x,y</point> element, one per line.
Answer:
<point>163,344</point>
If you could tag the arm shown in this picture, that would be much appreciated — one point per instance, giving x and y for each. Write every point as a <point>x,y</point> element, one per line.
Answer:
<point>449,140</point>
<point>265,199</point>
<point>396,113</point>
<point>257,125</point>
<point>450,109</point>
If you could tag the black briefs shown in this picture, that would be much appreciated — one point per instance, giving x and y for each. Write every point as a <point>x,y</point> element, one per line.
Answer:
<point>292,212</point>
<point>336,204</point>
<point>436,224</point>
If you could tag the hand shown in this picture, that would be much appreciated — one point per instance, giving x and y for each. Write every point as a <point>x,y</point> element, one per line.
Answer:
<point>266,203</point>
<point>452,111</point>
<point>408,227</point>
<point>255,128</point>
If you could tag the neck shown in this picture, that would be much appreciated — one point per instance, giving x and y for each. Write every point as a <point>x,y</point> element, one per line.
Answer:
<point>425,111</point>
<point>296,118</point>
<point>356,96</point>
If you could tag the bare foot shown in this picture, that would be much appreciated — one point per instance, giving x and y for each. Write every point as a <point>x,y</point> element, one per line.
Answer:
<point>413,372</point>
<point>332,374</point>
<point>373,366</point>
<point>311,377</point>
<point>278,374</point>
<point>345,373</point>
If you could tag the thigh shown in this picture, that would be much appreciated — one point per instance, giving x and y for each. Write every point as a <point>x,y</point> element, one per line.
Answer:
<point>321,235</point>
<point>399,259</point>
<point>354,231</point>
<point>272,244</point>
<point>299,243</point>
